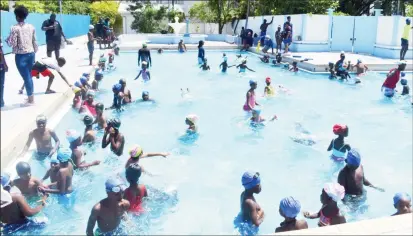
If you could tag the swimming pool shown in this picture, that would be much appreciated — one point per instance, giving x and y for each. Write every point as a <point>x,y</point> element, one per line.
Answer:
<point>206,174</point>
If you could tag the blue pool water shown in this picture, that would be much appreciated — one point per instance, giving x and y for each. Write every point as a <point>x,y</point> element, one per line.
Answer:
<point>196,189</point>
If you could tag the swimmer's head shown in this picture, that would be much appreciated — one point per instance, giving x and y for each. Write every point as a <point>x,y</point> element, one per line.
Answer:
<point>116,88</point>
<point>289,207</point>
<point>191,119</point>
<point>200,43</point>
<point>133,173</point>
<point>332,192</point>
<point>401,65</point>
<point>339,129</point>
<point>279,27</point>
<point>98,74</point>
<point>268,80</point>
<point>144,45</point>
<point>353,159</point>
<point>251,181</point>
<point>205,60</point>
<point>115,123</point>
<point>99,107</point>
<point>122,82</point>
<point>88,120</point>
<point>267,37</point>
<point>41,121</point>
<point>225,58</point>
<point>145,95</point>
<point>83,80</point>
<point>115,188</point>
<point>23,170</point>
<point>408,21</point>
<point>136,151</point>
<point>294,63</point>
<point>5,181</point>
<point>77,91</point>
<point>64,154</point>
<point>331,65</point>
<point>403,82</point>
<point>244,60</point>
<point>224,55</point>
<point>253,84</point>
<point>73,137</point>
<point>61,61</point>
<point>54,163</point>
<point>91,27</point>
<point>144,64</point>
<point>403,203</point>
<point>342,55</point>
<point>90,95</point>
<point>359,61</point>
<point>86,75</point>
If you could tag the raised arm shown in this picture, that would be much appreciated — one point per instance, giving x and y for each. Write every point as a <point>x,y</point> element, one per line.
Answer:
<point>92,220</point>
<point>57,142</point>
<point>28,143</point>
<point>105,141</point>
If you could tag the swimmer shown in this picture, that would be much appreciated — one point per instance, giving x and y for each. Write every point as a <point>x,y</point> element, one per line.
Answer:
<point>352,178</point>
<point>117,97</point>
<point>332,71</point>
<point>127,96</point>
<point>392,79</point>
<point>89,105</point>
<point>146,98</point>
<point>75,141</point>
<point>257,119</point>
<point>52,172</point>
<point>77,100</point>
<point>14,208</point>
<point>251,102</point>
<point>340,68</point>
<point>294,67</point>
<point>43,137</point>
<point>205,65</point>
<point>361,68</point>
<point>278,59</point>
<point>83,84</point>
<point>136,153</point>
<point>191,121</point>
<point>338,145</point>
<point>146,75</point>
<point>283,89</point>
<point>268,90</point>
<point>109,212</point>
<point>135,192</point>
<point>113,137</point>
<point>251,212</point>
<point>181,46</point>
<point>303,136</point>
<point>111,58</point>
<point>289,209</point>
<point>265,58</point>
<point>96,81</point>
<point>201,52</point>
<point>329,213</point>
<point>115,48</point>
<point>100,119</point>
<point>26,183</point>
<point>65,174</point>
<point>403,203</point>
<point>102,62</point>
<point>90,135</point>
<point>160,51</point>
<point>224,65</point>
<point>244,66</point>
<point>403,81</point>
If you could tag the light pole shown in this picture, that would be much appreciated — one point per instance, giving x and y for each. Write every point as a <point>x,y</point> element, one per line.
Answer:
<point>60,8</point>
<point>248,14</point>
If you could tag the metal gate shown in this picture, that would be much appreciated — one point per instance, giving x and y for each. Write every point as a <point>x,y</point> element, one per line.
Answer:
<point>364,34</point>
<point>342,33</point>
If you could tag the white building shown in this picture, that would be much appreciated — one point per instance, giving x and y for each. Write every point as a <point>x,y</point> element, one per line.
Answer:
<point>178,5</point>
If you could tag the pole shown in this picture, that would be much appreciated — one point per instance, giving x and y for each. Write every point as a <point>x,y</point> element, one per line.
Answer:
<point>248,14</point>
<point>398,7</point>
<point>60,7</point>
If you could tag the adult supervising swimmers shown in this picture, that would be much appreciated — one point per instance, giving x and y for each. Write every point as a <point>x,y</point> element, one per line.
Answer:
<point>405,39</point>
<point>263,29</point>
<point>144,54</point>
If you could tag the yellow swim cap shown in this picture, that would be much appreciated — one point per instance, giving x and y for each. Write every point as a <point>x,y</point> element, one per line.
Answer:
<point>136,151</point>
<point>76,90</point>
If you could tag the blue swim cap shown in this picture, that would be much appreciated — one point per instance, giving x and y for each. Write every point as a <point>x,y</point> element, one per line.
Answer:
<point>64,154</point>
<point>77,84</point>
<point>54,160</point>
<point>83,80</point>
<point>85,74</point>
<point>114,182</point>
<point>225,58</point>
<point>98,72</point>
<point>145,93</point>
<point>117,87</point>
<point>249,180</point>
<point>403,81</point>
<point>400,196</point>
<point>353,158</point>
<point>253,82</point>
<point>5,179</point>
<point>290,207</point>
<point>408,20</point>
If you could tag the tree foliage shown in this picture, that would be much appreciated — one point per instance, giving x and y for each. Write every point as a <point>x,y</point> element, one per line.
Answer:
<point>4,5</point>
<point>104,9</point>
<point>148,19</point>
<point>409,10</point>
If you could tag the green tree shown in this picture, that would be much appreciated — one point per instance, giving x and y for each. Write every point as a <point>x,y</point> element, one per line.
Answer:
<point>148,19</point>
<point>409,10</point>
<point>4,5</point>
<point>104,9</point>
<point>32,6</point>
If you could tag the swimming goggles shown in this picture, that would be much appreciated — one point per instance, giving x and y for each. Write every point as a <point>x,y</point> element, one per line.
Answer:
<point>115,189</point>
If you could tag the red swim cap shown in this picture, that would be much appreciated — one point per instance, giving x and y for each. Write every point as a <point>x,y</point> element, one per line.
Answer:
<point>339,129</point>
<point>268,80</point>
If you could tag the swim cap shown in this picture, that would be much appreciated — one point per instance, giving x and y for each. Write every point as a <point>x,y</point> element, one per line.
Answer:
<point>244,60</point>
<point>91,27</point>
<point>110,53</point>
<point>290,207</point>
<point>122,81</point>
<point>144,45</point>
<point>76,90</point>
<point>192,118</point>
<point>72,135</point>
<point>249,180</point>
<point>116,123</point>
<point>144,63</point>
<point>267,36</point>
<point>145,93</point>
<point>100,106</point>
<point>252,82</point>
<point>268,80</point>
<point>335,191</point>
<point>64,154</point>
<point>85,74</point>
<point>225,58</point>
<point>401,196</point>
<point>133,172</point>
<point>403,81</point>
<point>408,21</point>
<point>54,160</point>
<point>359,61</point>
<point>5,180</point>
<point>98,72</point>
<point>136,151</point>
<point>91,93</point>
<point>102,55</point>
<point>117,87</point>
<point>83,80</point>
<point>339,129</point>
<point>22,168</point>
<point>114,184</point>
<point>41,118</point>
<point>401,63</point>
<point>88,120</point>
<point>6,198</point>
<point>353,158</point>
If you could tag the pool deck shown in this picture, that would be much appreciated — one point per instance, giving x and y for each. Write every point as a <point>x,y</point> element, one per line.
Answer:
<point>17,122</point>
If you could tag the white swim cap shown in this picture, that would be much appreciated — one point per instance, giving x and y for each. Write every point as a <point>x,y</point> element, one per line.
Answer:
<point>267,36</point>
<point>91,27</point>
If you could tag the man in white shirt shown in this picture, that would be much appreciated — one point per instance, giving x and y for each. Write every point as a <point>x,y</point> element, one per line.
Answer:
<point>43,67</point>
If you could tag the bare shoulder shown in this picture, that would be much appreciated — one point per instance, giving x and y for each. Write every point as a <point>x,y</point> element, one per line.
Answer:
<point>302,224</point>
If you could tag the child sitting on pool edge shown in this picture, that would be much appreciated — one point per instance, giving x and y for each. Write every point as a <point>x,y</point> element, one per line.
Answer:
<point>191,120</point>
<point>338,145</point>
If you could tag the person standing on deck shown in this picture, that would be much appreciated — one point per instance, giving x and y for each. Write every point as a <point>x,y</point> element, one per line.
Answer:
<point>405,39</point>
<point>263,29</point>
<point>3,70</point>
<point>54,34</point>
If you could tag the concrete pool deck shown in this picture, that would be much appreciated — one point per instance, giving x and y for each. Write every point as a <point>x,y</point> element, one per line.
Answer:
<point>17,122</point>
<point>208,45</point>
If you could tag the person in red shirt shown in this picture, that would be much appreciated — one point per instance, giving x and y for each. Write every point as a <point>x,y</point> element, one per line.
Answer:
<point>392,79</point>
